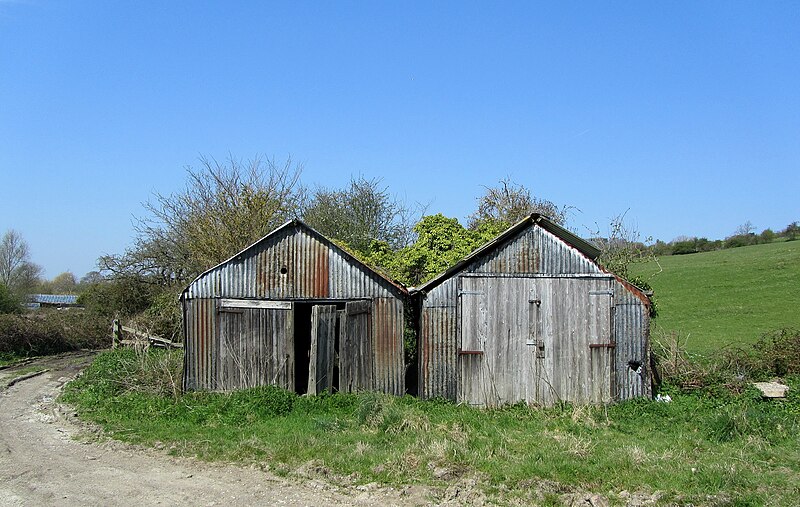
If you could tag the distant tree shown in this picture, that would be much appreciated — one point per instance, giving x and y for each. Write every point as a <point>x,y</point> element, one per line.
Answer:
<point>744,235</point>
<point>90,278</point>
<point>661,248</point>
<point>360,214</point>
<point>792,231</point>
<point>64,283</point>
<point>509,202</point>
<point>8,302</point>
<point>745,229</point>
<point>224,208</point>
<point>123,296</point>
<point>767,236</point>
<point>688,246</point>
<point>17,272</point>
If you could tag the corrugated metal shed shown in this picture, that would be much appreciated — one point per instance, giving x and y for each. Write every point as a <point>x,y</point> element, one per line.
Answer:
<point>259,316</point>
<point>532,317</point>
<point>54,299</point>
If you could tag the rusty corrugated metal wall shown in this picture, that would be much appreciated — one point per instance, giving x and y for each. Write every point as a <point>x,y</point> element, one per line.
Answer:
<point>632,334</point>
<point>534,250</point>
<point>437,342</point>
<point>292,264</point>
<point>531,251</point>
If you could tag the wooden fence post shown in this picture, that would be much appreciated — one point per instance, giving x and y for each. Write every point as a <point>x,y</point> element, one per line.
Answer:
<point>116,334</point>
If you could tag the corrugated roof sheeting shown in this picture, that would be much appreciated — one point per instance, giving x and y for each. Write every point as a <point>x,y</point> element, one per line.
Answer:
<point>54,299</point>
<point>291,264</point>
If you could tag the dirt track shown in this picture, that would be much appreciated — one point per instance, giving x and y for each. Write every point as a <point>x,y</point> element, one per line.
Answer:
<point>42,464</point>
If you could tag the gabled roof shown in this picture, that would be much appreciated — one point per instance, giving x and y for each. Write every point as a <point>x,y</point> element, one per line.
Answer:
<point>583,246</point>
<point>317,235</point>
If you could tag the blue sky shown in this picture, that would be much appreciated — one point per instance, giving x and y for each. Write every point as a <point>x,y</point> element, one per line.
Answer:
<point>687,114</point>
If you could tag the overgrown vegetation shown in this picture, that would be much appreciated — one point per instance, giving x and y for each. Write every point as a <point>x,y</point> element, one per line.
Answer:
<point>774,355</point>
<point>51,332</point>
<point>709,446</point>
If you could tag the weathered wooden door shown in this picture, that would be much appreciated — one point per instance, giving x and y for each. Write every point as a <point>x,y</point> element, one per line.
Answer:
<point>576,314</point>
<point>602,346</point>
<point>323,340</point>
<point>472,339</point>
<point>538,339</point>
<point>356,360</point>
<point>256,344</point>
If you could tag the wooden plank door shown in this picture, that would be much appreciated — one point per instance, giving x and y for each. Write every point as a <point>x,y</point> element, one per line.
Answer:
<point>256,344</point>
<point>601,342</point>
<point>323,338</point>
<point>356,360</point>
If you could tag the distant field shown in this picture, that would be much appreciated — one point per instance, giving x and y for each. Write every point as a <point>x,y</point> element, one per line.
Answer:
<point>727,297</point>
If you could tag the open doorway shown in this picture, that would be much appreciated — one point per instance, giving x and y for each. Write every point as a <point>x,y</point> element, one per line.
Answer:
<point>303,315</point>
<point>302,346</point>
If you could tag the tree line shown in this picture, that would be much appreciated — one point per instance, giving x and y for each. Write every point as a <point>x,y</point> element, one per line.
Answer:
<point>228,205</point>
<point>744,235</point>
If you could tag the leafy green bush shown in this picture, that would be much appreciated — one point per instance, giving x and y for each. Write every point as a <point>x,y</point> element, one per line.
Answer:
<point>684,247</point>
<point>51,332</point>
<point>740,240</point>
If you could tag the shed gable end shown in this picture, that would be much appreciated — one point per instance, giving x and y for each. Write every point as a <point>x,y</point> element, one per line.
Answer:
<point>293,262</point>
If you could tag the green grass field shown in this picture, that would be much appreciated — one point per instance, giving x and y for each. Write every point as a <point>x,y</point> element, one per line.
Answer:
<point>727,297</point>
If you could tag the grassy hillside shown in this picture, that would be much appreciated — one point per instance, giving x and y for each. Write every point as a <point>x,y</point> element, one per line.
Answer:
<point>727,297</point>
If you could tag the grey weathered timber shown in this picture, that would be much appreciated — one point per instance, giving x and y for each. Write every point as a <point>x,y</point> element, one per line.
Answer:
<point>255,348</point>
<point>356,357</point>
<point>539,348</point>
<point>532,317</point>
<point>323,338</point>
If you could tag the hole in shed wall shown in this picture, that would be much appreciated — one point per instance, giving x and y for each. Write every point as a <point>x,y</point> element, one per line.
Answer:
<point>284,270</point>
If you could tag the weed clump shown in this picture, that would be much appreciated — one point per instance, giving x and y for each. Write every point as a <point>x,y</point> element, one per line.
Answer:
<point>776,354</point>
<point>385,414</point>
